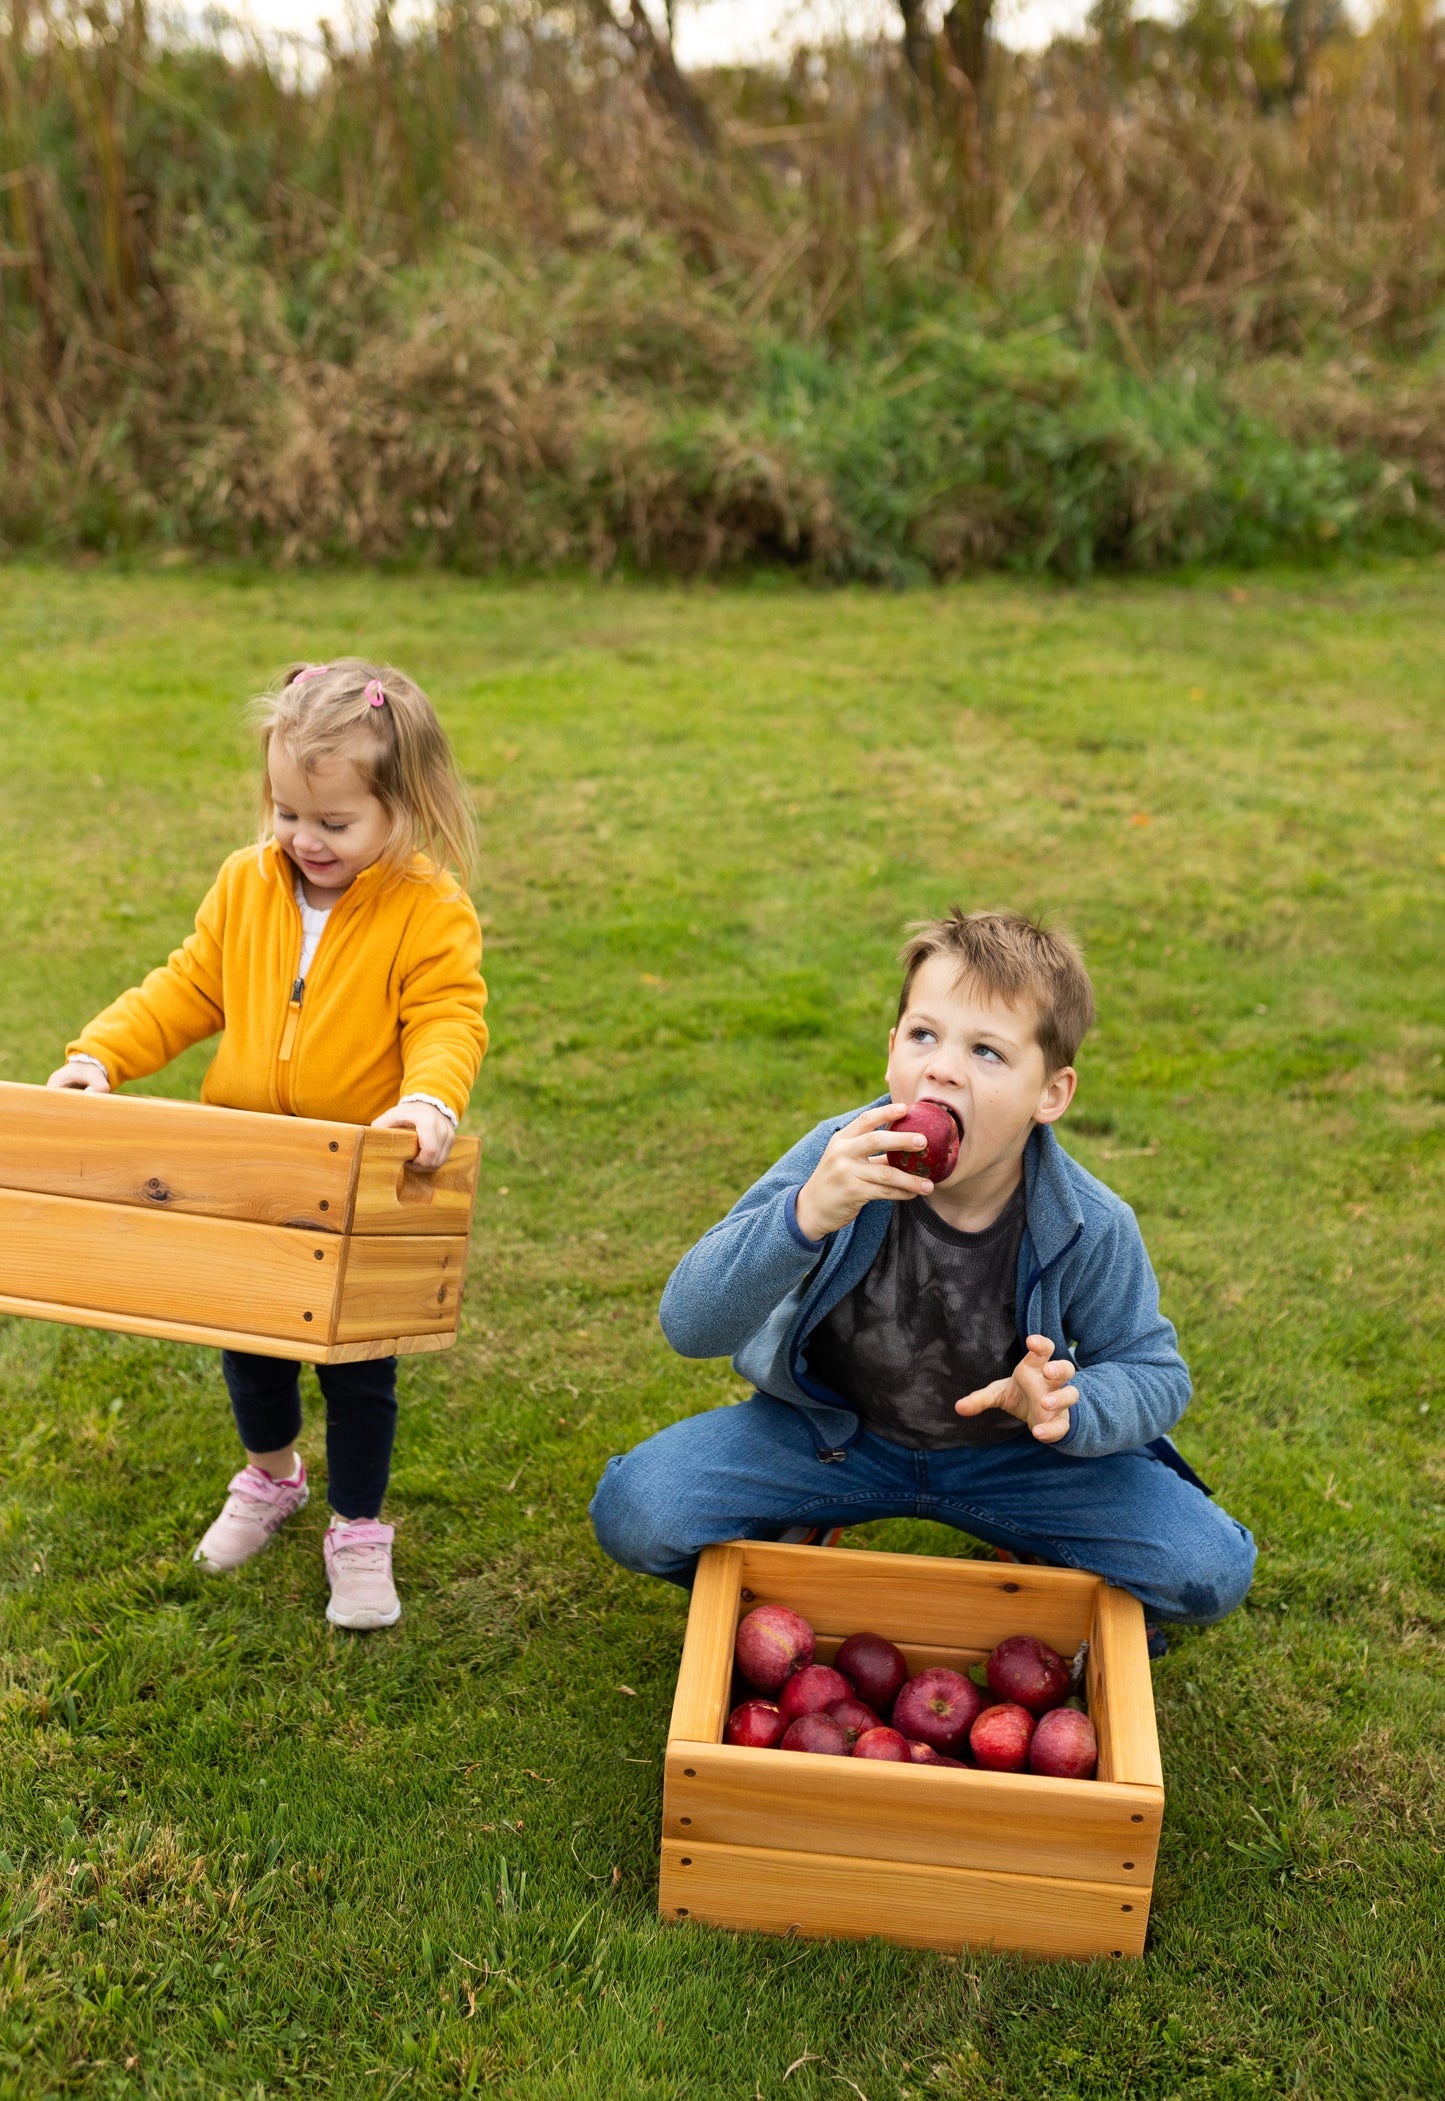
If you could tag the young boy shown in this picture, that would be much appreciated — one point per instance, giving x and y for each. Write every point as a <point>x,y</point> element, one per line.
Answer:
<point>988,1352</point>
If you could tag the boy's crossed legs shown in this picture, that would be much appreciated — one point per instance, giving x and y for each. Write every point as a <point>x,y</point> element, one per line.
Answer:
<point>750,1471</point>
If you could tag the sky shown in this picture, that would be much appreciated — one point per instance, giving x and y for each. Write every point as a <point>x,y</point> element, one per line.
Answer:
<point>721,32</point>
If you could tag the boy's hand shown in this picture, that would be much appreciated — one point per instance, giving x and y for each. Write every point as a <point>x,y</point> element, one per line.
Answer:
<point>79,1073</point>
<point>1036,1393</point>
<point>434,1131</point>
<point>853,1172</point>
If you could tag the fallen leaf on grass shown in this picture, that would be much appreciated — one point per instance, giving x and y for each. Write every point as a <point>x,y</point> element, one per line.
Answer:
<point>630,1691</point>
<point>1141,817</point>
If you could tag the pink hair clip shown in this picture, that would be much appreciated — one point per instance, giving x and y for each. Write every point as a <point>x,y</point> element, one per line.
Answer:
<point>310,671</point>
<point>374,694</point>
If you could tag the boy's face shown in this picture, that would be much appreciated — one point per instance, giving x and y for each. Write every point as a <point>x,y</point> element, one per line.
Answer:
<point>957,1045</point>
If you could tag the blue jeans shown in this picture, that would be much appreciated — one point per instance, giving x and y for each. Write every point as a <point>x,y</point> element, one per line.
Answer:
<point>360,1420</point>
<point>752,1471</point>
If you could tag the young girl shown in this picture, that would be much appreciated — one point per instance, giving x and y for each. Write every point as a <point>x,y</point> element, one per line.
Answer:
<point>339,960</point>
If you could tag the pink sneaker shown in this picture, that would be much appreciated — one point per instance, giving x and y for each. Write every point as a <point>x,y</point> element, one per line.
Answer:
<point>253,1512</point>
<point>358,1568</point>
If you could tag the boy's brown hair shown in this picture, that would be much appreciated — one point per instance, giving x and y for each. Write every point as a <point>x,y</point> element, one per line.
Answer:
<point>1014,959</point>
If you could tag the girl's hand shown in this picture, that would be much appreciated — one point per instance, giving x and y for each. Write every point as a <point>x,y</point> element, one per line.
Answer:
<point>79,1073</point>
<point>853,1172</point>
<point>434,1131</point>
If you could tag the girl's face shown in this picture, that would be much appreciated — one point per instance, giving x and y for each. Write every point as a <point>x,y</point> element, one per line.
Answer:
<point>328,820</point>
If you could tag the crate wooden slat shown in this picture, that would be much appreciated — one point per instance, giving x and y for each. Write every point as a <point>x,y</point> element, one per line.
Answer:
<point>746,1798</point>
<point>272,1234</point>
<point>780,1842</point>
<point>228,1163</point>
<point>818,1895</point>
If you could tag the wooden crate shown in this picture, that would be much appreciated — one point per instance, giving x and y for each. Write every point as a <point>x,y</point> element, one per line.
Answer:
<point>783,1842</point>
<point>273,1234</point>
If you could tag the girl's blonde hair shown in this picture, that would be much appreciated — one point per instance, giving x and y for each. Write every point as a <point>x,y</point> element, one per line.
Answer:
<point>383,722</point>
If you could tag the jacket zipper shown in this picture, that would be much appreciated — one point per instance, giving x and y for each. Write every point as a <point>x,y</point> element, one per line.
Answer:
<point>292,1021</point>
<point>293,1017</point>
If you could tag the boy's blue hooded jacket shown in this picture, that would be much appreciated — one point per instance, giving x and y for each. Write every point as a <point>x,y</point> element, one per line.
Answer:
<point>755,1287</point>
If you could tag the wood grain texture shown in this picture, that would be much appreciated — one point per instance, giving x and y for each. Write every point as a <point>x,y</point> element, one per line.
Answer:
<point>213,1272</point>
<point>300,1352</point>
<point>704,1677</point>
<point>393,1197</point>
<point>920,1599</point>
<point>178,1157</point>
<point>398,1284</point>
<point>1012,1823</point>
<point>1120,1692</point>
<point>812,1894</point>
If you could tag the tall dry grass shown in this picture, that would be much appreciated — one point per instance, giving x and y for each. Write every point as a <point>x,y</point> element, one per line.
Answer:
<point>474,294</point>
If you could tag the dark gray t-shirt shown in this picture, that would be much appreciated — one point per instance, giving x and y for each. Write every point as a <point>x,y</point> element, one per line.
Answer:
<point>932,1320</point>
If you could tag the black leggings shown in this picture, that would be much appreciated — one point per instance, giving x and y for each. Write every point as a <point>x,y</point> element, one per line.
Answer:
<point>360,1420</point>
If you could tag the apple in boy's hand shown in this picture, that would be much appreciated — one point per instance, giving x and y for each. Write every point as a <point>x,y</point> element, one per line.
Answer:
<point>877,1668</point>
<point>1064,1746</point>
<point>853,1718</point>
<point>772,1643</point>
<point>815,1732</point>
<point>938,1707</point>
<point>883,1743</point>
<point>999,1739</point>
<point>940,1127</point>
<point>812,1690</point>
<point>757,1724</point>
<point>1027,1671</point>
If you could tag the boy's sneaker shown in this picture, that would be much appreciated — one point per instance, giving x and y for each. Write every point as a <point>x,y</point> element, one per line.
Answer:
<point>810,1536</point>
<point>358,1568</point>
<point>254,1510</point>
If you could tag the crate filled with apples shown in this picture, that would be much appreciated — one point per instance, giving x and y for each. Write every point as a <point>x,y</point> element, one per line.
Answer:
<point>943,1752</point>
<point>867,1704</point>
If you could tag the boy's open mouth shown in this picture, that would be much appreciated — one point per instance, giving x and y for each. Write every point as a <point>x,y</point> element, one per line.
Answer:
<point>957,1119</point>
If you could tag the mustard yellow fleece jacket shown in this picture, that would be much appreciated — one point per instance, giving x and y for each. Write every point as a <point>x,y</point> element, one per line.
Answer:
<point>392,1004</point>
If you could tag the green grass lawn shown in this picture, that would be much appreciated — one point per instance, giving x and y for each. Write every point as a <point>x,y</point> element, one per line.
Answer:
<point>243,1855</point>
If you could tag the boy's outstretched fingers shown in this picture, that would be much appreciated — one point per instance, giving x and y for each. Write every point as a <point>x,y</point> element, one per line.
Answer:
<point>1036,1393</point>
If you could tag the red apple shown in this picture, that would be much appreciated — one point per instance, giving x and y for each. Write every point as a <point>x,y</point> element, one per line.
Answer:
<point>876,1667</point>
<point>1027,1671</point>
<point>757,1724</point>
<point>924,1754</point>
<point>937,1707</point>
<point>883,1743</point>
<point>815,1732</point>
<point>940,1127</point>
<point>772,1643</point>
<point>813,1690</point>
<point>853,1718</point>
<point>999,1739</point>
<point>1064,1746</point>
